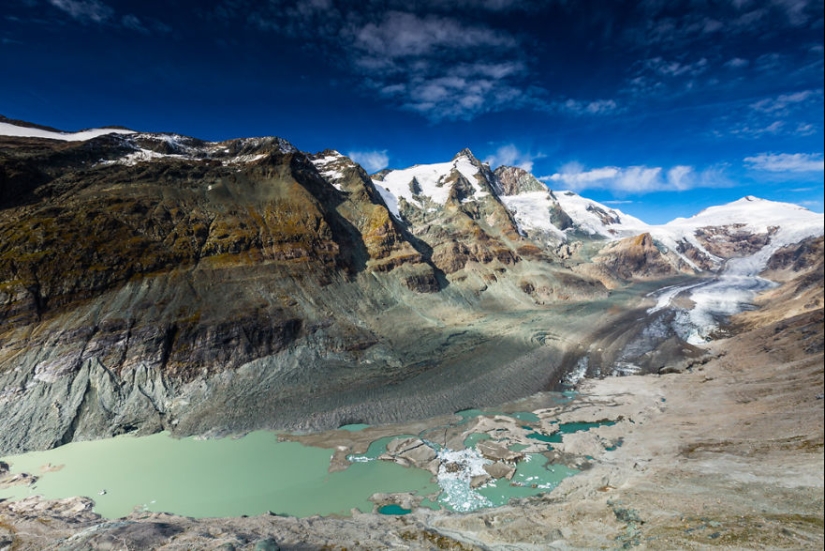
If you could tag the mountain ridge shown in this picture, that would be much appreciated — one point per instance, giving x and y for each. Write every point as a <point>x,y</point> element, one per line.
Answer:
<point>158,282</point>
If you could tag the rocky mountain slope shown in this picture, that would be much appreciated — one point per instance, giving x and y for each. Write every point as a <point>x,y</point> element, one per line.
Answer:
<point>155,281</point>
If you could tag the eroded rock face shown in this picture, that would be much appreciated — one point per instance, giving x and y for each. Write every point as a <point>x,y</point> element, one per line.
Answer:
<point>516,180</point>
<point>636,258</point>
<point>731,241</point>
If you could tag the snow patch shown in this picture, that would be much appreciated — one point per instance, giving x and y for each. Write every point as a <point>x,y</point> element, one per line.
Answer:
<point>7,129</point>
<point>596,219</point>
<point>531,211</point>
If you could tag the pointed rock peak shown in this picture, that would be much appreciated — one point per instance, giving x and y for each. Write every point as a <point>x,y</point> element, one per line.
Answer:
<point>751,199</point>
<point>466,153</point>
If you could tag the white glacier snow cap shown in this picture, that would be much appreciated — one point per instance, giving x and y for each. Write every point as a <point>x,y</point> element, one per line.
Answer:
<point>8,129</point>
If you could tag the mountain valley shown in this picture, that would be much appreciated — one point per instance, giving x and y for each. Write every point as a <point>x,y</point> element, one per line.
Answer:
<point>156,282</point>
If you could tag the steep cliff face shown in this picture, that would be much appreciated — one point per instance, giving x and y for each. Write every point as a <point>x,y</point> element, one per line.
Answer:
<point>515,181</point>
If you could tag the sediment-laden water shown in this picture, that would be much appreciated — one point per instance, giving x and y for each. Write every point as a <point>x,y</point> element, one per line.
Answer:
<point>258,473</point>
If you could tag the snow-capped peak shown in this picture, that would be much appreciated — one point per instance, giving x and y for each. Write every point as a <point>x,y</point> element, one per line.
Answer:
<point>780,224</point>
<point>749,212</point>
<point>432,182</point>
<point>331,164</point>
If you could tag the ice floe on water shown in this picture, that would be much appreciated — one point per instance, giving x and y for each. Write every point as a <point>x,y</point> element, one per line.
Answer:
<point>455,474</point>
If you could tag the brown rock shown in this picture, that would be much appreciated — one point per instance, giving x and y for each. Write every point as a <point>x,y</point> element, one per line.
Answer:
<point>500,470</point>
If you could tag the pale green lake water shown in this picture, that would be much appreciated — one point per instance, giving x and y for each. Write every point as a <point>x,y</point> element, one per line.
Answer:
<point>257,473</point>
<point>209,478</point>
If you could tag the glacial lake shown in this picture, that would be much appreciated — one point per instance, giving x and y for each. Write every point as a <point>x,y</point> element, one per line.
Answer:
<point>209,478</point>
<point>257,473</point>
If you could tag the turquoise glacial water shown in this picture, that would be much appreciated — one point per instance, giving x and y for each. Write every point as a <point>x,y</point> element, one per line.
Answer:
<point>257,473</point>
<point>210,478</point>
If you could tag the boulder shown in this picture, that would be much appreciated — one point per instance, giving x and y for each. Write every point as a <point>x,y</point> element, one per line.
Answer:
<point>498,452</point>
<point>500,470</point>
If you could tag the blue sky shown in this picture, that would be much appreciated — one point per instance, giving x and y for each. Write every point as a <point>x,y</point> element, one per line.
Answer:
<point>659,107</point>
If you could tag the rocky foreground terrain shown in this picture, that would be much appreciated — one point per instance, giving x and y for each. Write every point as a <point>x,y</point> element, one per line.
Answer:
<point>726,454</point>
<point>156,282</point>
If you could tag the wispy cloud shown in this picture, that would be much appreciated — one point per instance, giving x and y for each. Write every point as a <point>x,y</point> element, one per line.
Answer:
<point>658,76</point>
<point>787,162</point>
<point>426,57</point>
<point>85,11</point>
<point>671,68</point>
<point>429,64</point>
<point>796,113</point>
<point>133,22</point>
<point>635,179</point>
<point>659,24</point>
<point>783,102</point>
<point>510,155</point>
<point>595,107</point>
<point>737,63</point>
<point>372,161</point>
<point>401,34</point>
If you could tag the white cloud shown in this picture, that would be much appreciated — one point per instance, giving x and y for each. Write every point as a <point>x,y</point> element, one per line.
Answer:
<point>426,57</point>
<point>782,102</point>
<point>635,179</point>
<point>784,114</point>
<point>787,162</point>
<point>372,161</point>
<point>597,107</point>
<point>402,34</point>
<point>430,64</point>
<point>510,155</point>
<point>466,91</point>
<point>795,10</point>
<point>666,68</point>
<point>84,10</point>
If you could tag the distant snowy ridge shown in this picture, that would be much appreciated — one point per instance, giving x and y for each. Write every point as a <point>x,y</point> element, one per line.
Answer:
<point>8,129</point>
<point>559,216</point>
<point>147,147</point>
<point>708,240</point>
<point>783,223</point>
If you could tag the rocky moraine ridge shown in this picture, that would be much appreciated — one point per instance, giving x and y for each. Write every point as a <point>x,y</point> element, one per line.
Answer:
<point>158,282</point>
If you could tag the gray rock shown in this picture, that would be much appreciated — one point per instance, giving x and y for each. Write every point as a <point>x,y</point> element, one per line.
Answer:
<point>267,544</point>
